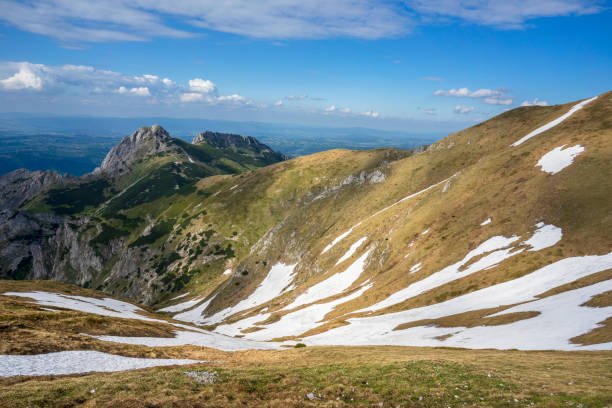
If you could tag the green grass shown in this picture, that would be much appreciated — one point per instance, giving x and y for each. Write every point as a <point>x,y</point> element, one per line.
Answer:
<point>75,199</point>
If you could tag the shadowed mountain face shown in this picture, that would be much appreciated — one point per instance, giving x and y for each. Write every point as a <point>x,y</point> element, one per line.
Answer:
<point>501,228</point>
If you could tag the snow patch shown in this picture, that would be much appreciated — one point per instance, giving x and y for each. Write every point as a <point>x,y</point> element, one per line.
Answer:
<point>558,158</point>
<point>103,307</point>
<point>300,321</point>
<point>415,268</point>
<point>199,338</point>
<point>194,315</point>
<point>179,307</point>
<point>333,285</point>
<point>180,296</point>
<point>485,222</point>
<point>351,250</point>
<point>545,236</point>
<point>555,122</point>
<point>274,284</point>
<point>76,362</point>
<point>227,271</point>
<point>339,238</point>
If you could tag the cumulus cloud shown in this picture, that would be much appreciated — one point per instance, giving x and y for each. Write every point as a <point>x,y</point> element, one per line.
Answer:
<point>535,102</point>
<point>507,14</point>
<point>463,109</point>
<point>278,103</point>
<point>24,78</point>
<point>191,97</point>
<point>430,111</point>
<point>331,108</point>
<point>86,81</point>
<point>202,86</point>
<point>231,98</point>
<point>140,91</point>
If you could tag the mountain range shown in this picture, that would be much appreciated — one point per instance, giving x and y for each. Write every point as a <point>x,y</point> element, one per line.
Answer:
<point>497,236</point>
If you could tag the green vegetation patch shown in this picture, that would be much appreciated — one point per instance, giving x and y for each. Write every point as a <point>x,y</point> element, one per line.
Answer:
<point>75,199</point>
<point>161,229</point>
<point>108,234</point>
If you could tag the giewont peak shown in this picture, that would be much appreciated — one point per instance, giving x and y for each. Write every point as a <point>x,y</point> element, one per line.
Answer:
<point>143,142</point>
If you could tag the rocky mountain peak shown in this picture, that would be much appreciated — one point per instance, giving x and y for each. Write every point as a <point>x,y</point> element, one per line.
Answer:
<point>143,142</point>
<point>223,140</point>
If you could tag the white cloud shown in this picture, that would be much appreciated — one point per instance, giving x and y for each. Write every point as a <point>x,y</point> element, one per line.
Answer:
<point>535,102</point>
<point>87,83</point>
<point>466,93</point>
<point>345,110</point>
<point>77,21</point>
<point>463,109</point>
<point>278,103</point>
<point>140,91</point>
<point>498,101</point>
<point>430,111</point>
<point>489,96</point>
<point>331,108</point>
<point>202,86</point>
<point>138,20</point>
<point>25,78</point>
<point>296,97</point>
<point>508,14</point>
<point>191,97</point>
<point>370,113</point>
<point>231,98</point>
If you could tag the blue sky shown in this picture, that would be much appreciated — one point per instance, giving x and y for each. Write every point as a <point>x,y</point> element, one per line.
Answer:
<point>401,65</point>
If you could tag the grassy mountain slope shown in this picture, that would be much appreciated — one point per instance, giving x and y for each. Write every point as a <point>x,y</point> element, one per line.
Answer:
<point>480,176</point>
<point>450,245</point>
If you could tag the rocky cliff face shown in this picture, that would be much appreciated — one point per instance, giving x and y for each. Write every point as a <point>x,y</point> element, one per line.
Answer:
<point>21,184</point>
<point>144,142</point>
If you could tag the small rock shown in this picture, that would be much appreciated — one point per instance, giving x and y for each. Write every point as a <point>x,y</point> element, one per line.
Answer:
<point>202,377</point>
<point>92,391</point>
<point>310,396</point>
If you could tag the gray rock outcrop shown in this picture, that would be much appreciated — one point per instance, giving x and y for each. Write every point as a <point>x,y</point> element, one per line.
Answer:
<point>145,141</point>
